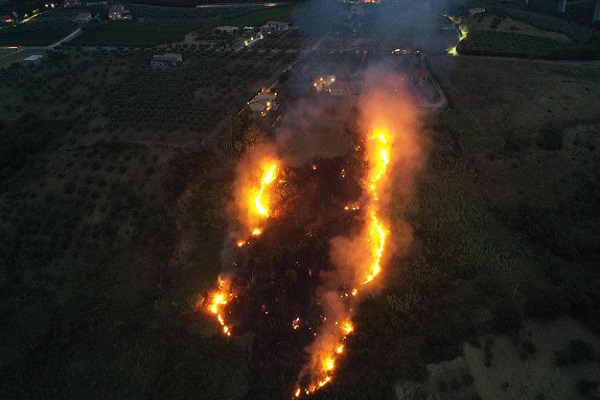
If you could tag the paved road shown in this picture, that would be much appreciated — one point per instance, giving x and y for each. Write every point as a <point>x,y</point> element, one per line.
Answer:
<point>53,45</point>
<point>225,5</point>
<point>65,39</point>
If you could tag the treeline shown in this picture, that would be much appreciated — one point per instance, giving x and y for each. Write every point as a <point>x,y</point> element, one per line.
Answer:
<point>578,32</point>
<point>36,33</point>
<point>584,44</point>
<point>128,33</point>
<point>523,46</point>
<point>170,3</point>
<point>581,11</point>
<point>21,6</point>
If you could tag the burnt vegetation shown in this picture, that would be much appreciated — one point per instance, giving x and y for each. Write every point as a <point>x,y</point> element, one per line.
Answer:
<point>107,166</point>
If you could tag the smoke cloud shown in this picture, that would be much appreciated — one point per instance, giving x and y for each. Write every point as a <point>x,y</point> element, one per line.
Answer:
<point>391,133</point>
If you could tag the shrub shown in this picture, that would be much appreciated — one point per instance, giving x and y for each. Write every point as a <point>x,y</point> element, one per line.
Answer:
<point>550,139</point>
<point>587,388</point>
<point>581,351</point>
<point>69,187</point>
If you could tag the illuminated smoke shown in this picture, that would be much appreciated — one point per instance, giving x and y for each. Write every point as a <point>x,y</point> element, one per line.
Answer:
<point>392,150</point>
<point>251,207</point>
<point>389,126</point>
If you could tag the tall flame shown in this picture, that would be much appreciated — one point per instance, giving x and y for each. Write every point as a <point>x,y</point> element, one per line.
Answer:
<point>253,206</point>
<point>378,155</point>
<point>390,139</point>
<point>260,201</point>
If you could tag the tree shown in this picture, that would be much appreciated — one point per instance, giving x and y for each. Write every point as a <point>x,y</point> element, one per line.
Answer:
<point>233,129</point>
<point>253,136</point>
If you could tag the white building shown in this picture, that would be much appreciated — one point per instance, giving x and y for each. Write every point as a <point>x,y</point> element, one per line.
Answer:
<point>227,29</point>
<point>83,17</point>
<point>263,102</point>
<point>274,27</point>
<point>164,61</point>
<point>35,59</point>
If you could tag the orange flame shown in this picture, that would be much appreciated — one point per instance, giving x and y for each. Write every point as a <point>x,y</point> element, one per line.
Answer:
<point>379,148</point>
<point>261,202</point>
<point>253,198</point>
<point>219,300</point>
<point>390,124</point>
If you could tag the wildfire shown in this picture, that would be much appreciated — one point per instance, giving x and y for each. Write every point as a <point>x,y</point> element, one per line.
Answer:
<point>379,150</point>
<point>219,300</point>
<point>383,128</point>
<point>390,145</point>
<point>258,200</point>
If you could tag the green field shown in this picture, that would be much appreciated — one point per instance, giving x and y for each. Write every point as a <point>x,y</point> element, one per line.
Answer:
<point>504,38</point>
<point>8,60</point>
<point>516,45</point>
<point>37,33</point>
<point>132,33</point>
<point>257,18</point>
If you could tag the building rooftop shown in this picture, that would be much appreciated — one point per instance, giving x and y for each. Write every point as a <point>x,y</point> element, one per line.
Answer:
<point>34,57</point>
<point>169,57</point>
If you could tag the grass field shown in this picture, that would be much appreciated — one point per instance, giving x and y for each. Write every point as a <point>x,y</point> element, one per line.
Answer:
<point>37,32</point>
<point>514,45</point>
<point>33,38</point>
<point>257,18</point>
<point>513,26</point>
<point>8,60</point>
<point>514,98</point>
<point>132,33</point>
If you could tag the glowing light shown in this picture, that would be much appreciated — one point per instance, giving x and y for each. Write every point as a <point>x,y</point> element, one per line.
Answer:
<point>329,364</point>
<point>218,303</point>
<point>347,327</point>
<point>296,323</point>
<point>258,202</point>
<point>377,237</point>
<point>378,146</point>
<point>463,32</point>
<point>261,203</point>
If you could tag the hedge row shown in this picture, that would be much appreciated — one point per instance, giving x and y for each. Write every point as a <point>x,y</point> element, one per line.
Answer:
<point>517,45</point>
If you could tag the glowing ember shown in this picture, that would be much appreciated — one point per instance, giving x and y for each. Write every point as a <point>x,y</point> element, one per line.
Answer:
<point>296,323</point>
<point>219,301</point>
<point>347,327</point>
